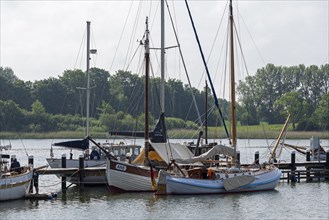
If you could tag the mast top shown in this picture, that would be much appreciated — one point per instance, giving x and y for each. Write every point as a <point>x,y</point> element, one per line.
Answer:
<point>231,8</point>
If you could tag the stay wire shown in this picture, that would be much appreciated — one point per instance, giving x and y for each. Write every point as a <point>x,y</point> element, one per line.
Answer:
<point>121,35</point>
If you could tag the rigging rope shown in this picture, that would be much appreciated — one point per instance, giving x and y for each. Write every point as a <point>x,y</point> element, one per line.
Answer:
<point>207,71</point>
<point>80,48</point>
<point>183,62</point>
<point>124,27</point>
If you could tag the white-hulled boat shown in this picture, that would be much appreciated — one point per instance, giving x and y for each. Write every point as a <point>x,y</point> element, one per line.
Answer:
<point>121,151</point>
<point>230,178</point>
<point>140,174</point>
<point>13,185</point>
<point>135,176</point>
<point>226,182</point>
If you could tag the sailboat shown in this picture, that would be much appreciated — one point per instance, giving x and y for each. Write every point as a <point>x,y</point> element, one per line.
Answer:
<point>224,179</point>
<point>120,150</point>
<point>14,184</point>
<point>141,174</point>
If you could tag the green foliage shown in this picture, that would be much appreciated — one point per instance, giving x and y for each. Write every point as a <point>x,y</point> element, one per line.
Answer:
<point>293,103</point>
<point>274,91</point>
<point>116,101</point>
<point>51,93</point>
<point>322,113</point>
<point>7,74</point>
<point>191,125</point>
<point>12,118</point>
<point>175,123</point>
<point>14,89</point>
<point>248,116</point>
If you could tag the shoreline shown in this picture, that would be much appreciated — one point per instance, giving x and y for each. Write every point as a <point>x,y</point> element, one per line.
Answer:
<point>173,134</point>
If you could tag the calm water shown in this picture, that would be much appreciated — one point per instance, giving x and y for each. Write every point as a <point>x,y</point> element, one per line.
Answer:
<point>289,201</point>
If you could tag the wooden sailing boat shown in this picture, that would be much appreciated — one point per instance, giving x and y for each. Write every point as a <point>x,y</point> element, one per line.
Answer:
<point>229,179</point>
<point>141,174</point>
<point>135,177</point>
<point>14,184</point>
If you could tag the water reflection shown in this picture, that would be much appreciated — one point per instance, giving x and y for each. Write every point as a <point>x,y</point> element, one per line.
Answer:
<point>309,199</point>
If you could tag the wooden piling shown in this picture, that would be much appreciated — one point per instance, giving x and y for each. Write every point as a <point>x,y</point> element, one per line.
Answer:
<point>308,158</point>
<point>293,166</point>
<point>238,157</point>
<point>81,170</point>
<point>31,164</point>
<point>63,176</point>
<point>327,164</point>
<point>257,157</point>
<point>31,161</point>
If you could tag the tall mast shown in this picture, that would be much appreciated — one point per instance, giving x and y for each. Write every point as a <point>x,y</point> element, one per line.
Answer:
<point>162,85</point>
<point>88,79</point>
<point>233,126</point>
<point>146,91</point>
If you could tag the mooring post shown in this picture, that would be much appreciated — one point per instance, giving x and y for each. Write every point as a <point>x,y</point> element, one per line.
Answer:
<point>293,166</point>
<point>30,164</point>
<point>257,157</point>
<point>81,170</point>
<point>238,157</point>
<point>63,176</point>
<point>327,165</point>
<point>308,158</point>
<point>31,161</point>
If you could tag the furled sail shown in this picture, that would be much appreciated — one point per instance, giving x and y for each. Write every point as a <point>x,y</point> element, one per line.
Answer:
<point>78,144</point>
<point>218,149</point>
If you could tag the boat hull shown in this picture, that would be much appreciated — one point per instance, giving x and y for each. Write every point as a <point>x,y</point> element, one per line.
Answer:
<point>125,177</point>
<point>15,186</point>
<point>74,163</point>
<point>180,185</point>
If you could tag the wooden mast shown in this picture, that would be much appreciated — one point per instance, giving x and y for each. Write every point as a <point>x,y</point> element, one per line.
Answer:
<point>233,119</point>
<point>284,128</point>
<point>146,92</point>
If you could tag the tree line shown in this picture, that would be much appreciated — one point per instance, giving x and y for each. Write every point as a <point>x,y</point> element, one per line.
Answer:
<point>58,104</point>
<point>275,90</point>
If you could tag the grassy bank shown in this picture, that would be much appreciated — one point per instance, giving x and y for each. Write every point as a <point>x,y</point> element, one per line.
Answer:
<point>49,135</point>
<point>244,132</point>
<point>251,134</point>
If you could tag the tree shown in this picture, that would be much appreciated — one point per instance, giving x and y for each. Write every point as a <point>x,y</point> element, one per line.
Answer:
<point>52,94</point>
<point>322,112</point>
<point>12,117</point>
<point>293,103</point>
<point>39,116</point>
<point>72,101</point>
<point>99,82</point>
<point>23,94</point>
<point>7,74</point>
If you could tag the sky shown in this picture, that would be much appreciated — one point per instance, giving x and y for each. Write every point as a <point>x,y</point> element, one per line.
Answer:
<point>41,39</point>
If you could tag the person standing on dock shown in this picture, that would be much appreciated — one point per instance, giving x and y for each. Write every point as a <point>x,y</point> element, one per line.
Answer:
<point>36,182</point>
<point>15,165</point>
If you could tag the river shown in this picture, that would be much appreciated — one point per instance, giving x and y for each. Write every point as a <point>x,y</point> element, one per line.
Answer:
<point>288,201</point>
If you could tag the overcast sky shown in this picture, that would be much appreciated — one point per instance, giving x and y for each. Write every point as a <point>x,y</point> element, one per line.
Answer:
<point>41,39</point>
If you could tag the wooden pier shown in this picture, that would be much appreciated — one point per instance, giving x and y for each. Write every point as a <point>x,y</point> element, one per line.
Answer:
<point>291,172</point>
<point>79,173</point>
<point>69,172</point>
<point>311,170</point>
